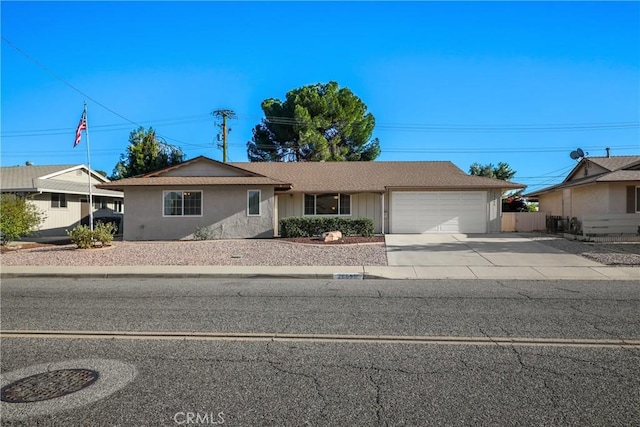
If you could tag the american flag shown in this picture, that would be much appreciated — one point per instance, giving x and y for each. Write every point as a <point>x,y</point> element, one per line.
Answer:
<point>81,126</point>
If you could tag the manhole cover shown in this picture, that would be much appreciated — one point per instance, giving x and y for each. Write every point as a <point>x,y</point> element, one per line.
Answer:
<point>48,385</point>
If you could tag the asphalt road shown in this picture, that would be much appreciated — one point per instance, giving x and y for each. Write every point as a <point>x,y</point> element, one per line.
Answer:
<point>268,352</point>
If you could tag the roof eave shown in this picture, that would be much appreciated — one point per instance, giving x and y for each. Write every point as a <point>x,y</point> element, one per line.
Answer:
<point>188,162</point>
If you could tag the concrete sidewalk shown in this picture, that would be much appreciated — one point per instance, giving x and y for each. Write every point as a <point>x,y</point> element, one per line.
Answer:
<point>332,272</point>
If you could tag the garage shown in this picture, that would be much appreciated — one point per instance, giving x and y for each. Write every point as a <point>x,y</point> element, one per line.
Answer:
<point>438,212</point>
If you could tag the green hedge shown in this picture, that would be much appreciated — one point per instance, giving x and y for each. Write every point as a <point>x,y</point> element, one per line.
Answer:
<point>314,226</point>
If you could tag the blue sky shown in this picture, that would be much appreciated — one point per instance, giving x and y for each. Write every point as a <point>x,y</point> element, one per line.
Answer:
<point>466,82</point>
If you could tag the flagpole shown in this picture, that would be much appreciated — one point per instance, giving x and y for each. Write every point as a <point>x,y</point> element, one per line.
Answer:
<point>89,165</point>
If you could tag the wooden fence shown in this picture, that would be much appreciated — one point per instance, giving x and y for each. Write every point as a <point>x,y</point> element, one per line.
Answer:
<point>523,221</point>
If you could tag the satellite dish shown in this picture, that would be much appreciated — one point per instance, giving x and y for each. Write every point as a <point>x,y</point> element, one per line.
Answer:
<point>574,155</point>
<point>580,152</point>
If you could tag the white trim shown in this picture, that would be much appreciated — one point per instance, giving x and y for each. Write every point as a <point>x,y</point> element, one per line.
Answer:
<point>86,193</point>
<point>315,205</point>
<point>381,213</point>
<point>259,203</point>
<point>61,172</point>
<point>183,191</point>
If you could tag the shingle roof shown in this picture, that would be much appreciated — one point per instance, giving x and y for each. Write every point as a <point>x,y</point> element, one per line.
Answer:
<point>615,165</point>
<point>372,176</point>
<point>620,176</point>
<point>166,181</point>
<point>615,162</point>
<point>58,186</point>
<point>317,177</point>
<point>159,172</point>
<point>28,178</point>
<point>21,177</point>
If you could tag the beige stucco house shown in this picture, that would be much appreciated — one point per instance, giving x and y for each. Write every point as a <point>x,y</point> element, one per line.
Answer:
<point>247,200</point>
<point>597,185</point>
<point>607,187</point>
<point>61,192</point>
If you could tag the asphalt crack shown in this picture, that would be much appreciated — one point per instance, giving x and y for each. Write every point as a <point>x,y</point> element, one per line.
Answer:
<point>316,383</point>
<point>594,325</point>
<point>518,291</point>
<point>594,363</point>
<point>378,404</point>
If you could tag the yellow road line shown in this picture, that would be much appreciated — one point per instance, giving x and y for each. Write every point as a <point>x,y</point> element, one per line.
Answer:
<point>325,338</point>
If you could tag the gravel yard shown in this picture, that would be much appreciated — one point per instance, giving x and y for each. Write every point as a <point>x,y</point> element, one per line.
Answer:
<point>613,254</point>
<point>271,253</point>
<point>210,252</point>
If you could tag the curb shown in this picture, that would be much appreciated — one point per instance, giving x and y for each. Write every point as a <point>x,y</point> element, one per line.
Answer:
<point>338,276</point>
<point>325,276</point>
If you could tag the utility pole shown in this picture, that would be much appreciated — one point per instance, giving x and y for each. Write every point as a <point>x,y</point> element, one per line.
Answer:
<point>224,114</point>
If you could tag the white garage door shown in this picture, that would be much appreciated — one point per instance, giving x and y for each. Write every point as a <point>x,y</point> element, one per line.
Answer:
<point>438,212</point>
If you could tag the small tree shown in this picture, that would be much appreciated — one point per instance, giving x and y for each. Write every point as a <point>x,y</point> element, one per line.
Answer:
<point>18,217</point>
<point>146,153</point>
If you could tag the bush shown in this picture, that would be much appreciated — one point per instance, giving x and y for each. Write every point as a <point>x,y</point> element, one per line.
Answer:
<point>18,217</point>
<point>203,233</point>
<point>81,236</point>
<point>315,226</point>
<point>103,233</point>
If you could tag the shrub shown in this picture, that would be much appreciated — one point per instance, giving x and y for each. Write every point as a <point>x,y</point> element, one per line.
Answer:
<point>103,232</point>
<point>314,226</point>
<point>18,217</point>
<point>81,236</point>
<point>203,233</point>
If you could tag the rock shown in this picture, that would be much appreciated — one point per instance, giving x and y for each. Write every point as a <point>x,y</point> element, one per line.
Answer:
<point>332,236</point>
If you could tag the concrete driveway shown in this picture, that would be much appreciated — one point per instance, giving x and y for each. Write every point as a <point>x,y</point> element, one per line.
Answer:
<point>476,250</point>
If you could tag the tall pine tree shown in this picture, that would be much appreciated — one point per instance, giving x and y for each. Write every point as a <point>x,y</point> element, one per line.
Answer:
<point>318,122</point>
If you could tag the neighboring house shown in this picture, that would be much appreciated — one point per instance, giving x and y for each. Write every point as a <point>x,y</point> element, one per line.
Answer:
<point>61,192</point>
<point>596,186</point>
<point>244,200</point>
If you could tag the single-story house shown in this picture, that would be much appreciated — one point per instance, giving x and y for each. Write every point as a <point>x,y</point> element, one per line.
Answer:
<point>61,192</point>
<point>247,200</point>
<point>596,186</point>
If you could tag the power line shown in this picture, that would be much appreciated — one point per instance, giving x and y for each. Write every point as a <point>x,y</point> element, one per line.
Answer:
<point>381,126</point>
<point>103,128</point>
<point>548,182</point>
<point>49,71</point>
<point>478,150</point>
<point>475,128</point>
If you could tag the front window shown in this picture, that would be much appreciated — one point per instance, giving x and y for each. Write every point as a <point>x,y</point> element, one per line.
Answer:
<point>327,204</point>
<point>100,203</point>
<point>58,200</point>
<point>253,202</point>
<point>637,199</point>
<point>117,206</point>
<point>182,203</point>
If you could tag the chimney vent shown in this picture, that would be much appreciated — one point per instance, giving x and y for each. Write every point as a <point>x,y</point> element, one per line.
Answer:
<point>608,152</point>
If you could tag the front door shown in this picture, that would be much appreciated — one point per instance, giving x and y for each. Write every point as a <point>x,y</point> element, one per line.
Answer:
<point>84,211</point>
